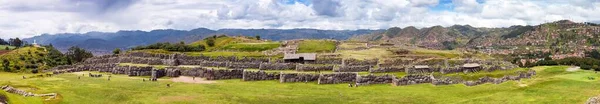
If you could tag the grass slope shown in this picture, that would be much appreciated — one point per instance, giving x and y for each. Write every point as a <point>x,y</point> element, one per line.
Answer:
<point>251,47</point>
<point>22,57</point>
<point>318,46</point>
<point>552,85</point>
<point>3,47</point>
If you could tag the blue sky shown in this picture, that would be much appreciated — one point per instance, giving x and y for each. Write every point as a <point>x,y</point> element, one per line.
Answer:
<point>27,18</point>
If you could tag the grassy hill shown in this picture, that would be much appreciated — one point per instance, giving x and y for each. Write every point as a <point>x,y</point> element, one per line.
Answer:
<point>318,46</point>
<point>23,59</point>
<point>552,84</point>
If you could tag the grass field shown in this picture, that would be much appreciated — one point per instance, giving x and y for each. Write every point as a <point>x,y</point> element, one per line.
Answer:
<point>3,47</point>
<point>21,57</point>
<point>371,53</point>
<point>251,47</point>
<point>552,85</point>
<point>316,46</point>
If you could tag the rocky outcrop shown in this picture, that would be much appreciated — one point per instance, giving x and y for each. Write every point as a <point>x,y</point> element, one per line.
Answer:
<point>297,77</point>
<point>3,99</point>
<point>593,100</point>
<point>337,78</point>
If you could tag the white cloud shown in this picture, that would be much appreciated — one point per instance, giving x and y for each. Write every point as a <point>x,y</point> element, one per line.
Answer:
<point>22,18</point>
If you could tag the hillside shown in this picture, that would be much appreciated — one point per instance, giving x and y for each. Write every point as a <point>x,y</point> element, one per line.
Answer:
<point>105,42</point>
<point>23,59</point>
<point>562,33</point>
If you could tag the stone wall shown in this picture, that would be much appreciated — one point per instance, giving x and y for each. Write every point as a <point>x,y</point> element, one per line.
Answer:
<point>421,70</point>
<point>326,61</point>
<point>243,65</point>
<point>372,79</point>
<point>337,78</point>
<point>355,62</point>
<point>259,75</point>
<point>277,66</point>
<point>213,74</point>
<point>172,72</point>
<point>486,79</point>
<point>387,69</point>
<point>297,77</point>
<point>352,69</point>
<point>302,67</point>
<point>411,79</point>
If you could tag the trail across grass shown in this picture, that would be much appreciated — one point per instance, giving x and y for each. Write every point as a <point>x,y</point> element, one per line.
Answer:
<point>552,85</point>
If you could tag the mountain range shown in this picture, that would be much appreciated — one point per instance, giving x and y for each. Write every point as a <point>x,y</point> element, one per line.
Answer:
<point>563,33</point>
<point>105,42</point>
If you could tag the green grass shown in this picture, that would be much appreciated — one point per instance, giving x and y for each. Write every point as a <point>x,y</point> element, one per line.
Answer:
<point>551,85</point>
<point>371,53</point>
<point>3,47</point>
<point>316,46</point>
<point>441,53</point>
<point>221,42</point>
<point>252,47</point>
<point>226,53</point>
<point>21,57</point>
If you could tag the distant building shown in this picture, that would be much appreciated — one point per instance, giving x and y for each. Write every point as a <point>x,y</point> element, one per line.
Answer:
<point>300,58</point>
<point>34,44</point>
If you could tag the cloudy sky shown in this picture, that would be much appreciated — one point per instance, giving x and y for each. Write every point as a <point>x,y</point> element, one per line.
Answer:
<point>27,18</point>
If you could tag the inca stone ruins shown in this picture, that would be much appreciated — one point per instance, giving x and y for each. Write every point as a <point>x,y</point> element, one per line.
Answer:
<point>312,69</point>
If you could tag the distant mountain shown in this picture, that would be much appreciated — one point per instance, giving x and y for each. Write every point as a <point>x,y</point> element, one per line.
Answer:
<point>105,42</point>
<point>562,33</point>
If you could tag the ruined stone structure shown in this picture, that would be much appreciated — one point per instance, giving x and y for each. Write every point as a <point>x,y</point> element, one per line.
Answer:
<point>13,90</point>
<point>337,78</point>
<point>297,77</point>
<point>593,100</point>
<point>277,66</point>
<point>500,80</point>
<point>304,67</point>
<point>372,79</point>
<point>259,75</point>
<point>213,74</point>
<point>387,69</point>
<point>355,62</point>
<point>352,68</point>
<point>412,79</point>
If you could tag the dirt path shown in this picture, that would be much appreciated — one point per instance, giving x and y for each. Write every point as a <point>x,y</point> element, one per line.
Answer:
<point>572,69</point>
<point>186,79</point>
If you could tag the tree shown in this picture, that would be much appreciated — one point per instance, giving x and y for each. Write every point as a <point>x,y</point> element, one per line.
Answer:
<point>55,57</point>
<point>117,51</point>
<point>593,54</point>
<point>3,42</point>
<point>77,54</point>
<point>16,42</point>
<point>6,64</point>
<point>210,42</point>
<point>257,37</point>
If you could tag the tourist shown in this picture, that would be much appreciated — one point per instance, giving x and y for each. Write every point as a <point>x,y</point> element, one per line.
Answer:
<point>168,85</point>
<point>23,77</point>
<point>350,85</point>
